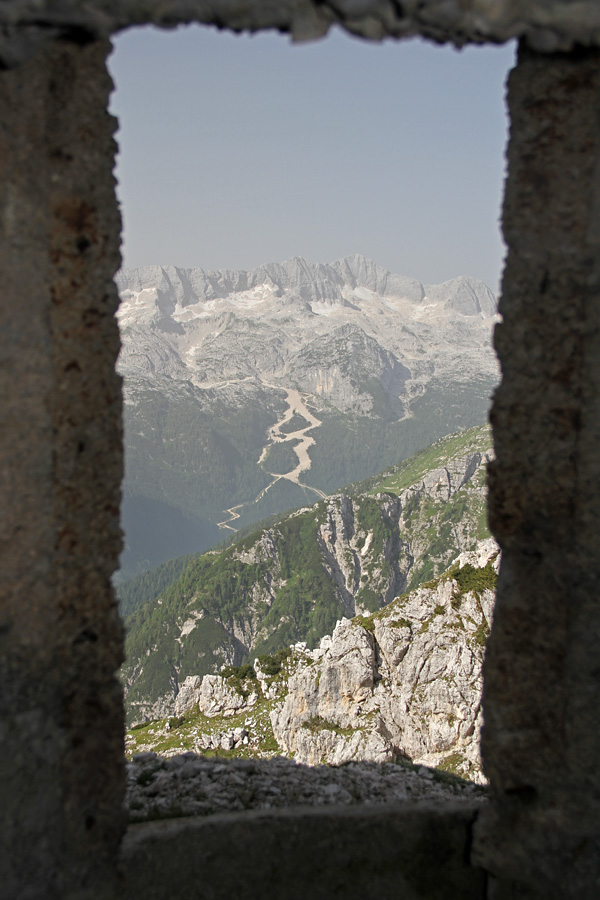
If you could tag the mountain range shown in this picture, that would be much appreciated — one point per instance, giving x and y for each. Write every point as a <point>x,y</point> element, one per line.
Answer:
<point>251,393</point>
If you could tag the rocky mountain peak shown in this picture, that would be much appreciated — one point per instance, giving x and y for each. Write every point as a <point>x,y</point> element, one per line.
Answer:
<point>352,553</point>
<point>465,295</point>
<point>330,284</point>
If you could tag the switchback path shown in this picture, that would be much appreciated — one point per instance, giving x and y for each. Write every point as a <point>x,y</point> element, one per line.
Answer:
<point>233,515</point>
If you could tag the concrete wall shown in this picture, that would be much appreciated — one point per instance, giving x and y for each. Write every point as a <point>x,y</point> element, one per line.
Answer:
<point>412,851</point>
<point>541,739</point>
<point>61,731</point>
<point>547,25</point>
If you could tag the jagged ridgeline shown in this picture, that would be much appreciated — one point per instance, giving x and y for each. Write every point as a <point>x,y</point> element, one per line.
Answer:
<point>349,554</point>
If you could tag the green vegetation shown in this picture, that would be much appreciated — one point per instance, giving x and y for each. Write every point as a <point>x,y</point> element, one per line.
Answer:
<point>469,578</point>
<point>282,495</point>
<point>371,519</point>
<point>482,634</point>
<point>190,731</point>
<point>281,458</point>
<point>149,585</point>
<point>388,612</point>
<point>453,763</point>
<point>241,678</point>
<point>174,722</point>
<point>241,673</point>
<point>443,523</point>
<point>407,473</point>
<point>210,466</point>
<point>296,423</point>
<point>350,448</point>
<point>268,744</point>
<point>194,728</point>
<point>318,723</point>
<point>368,598</point>
<point>306,606</point>
<point>212,593</point>
<point>279,586</point>
<point>271,664</point>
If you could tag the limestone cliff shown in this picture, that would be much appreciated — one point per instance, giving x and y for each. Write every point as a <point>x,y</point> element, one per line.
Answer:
<point>406,681</point>
<point>403,684</point>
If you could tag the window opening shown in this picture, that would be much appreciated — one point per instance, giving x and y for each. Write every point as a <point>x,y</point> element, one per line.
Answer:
<point>250,395</point>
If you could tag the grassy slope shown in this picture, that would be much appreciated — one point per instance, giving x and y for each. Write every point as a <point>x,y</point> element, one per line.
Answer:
<point>398,478</point>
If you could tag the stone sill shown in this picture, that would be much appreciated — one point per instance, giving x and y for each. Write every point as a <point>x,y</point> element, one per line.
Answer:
<point>407,851</point>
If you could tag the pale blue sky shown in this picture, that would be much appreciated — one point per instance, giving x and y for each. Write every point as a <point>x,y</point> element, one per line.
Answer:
<point>240,150</point>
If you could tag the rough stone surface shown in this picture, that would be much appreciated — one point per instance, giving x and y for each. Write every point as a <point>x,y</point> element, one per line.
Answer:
<point>61,756</point>
<point>541,738</point>
<point>215,696</point>
<point>410,687</point>
<point>402,684</point>
<point>189,694</point>
<point>548,25</point>
<point>413,851</point>
<point>191,785</point>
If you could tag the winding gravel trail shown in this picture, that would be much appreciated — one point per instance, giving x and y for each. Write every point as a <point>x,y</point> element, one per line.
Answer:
<point>301,438</point>
<point>233,515</point>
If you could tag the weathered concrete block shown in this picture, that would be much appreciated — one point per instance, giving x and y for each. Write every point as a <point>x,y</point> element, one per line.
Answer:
<point>61,748</point>
<point>408,851</point>
<point>61,737</point>
<point>547,25</point>
<point>541,738</point>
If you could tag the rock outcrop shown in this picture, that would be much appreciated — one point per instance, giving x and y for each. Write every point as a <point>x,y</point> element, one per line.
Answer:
<point>406,681</point>
<point>191,785</point>
<point>403,684</point>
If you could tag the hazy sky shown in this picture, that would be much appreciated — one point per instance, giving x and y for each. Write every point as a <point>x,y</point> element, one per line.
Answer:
<point>235,151</point>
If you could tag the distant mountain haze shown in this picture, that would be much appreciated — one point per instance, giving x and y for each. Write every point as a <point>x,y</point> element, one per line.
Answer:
<point>249,393</point>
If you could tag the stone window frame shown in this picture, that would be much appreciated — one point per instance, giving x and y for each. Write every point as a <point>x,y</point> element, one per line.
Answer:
<point>62,820</point>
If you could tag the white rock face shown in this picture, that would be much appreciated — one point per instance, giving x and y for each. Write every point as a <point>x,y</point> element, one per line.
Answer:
<point>408,685</point>
<point>189,695</point>
<point>404,683</point>
<point>204,328</point>
<point>216,698</point>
